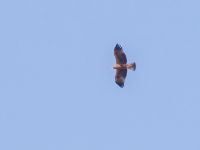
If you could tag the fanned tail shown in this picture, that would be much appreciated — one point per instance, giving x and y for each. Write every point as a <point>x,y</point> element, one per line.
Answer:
<point>131,66</point>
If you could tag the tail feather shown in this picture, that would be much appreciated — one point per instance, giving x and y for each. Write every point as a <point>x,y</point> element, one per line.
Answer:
<point>132,66</point>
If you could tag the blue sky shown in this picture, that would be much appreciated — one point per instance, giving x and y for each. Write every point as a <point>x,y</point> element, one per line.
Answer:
<point>57,82</point>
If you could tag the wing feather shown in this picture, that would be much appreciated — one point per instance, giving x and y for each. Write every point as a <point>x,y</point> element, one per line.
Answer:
<point>120,77</point>
<point>120,56</point>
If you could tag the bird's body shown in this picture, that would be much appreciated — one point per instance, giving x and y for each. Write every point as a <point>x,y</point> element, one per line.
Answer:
<point>124,66</point>
<point>121,65</point>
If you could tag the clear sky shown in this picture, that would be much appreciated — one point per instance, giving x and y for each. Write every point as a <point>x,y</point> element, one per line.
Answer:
<point>57,89</point>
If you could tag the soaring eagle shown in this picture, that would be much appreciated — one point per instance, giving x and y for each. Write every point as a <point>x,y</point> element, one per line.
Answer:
<point>121,65</point>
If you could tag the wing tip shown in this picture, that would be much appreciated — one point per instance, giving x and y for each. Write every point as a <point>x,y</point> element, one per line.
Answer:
<point>118,46</point>
<point>120,84</point>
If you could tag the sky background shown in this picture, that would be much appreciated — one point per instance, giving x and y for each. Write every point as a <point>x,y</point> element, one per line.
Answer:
<point>57,89</point>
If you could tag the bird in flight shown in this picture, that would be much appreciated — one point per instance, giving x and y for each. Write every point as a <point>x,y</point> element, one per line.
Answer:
<point>121,65</point>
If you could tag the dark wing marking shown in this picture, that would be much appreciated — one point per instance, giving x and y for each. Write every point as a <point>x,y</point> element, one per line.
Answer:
<point>119,55</point>
<point>120,77</point>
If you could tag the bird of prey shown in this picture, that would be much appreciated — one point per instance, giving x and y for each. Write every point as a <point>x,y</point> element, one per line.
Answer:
<point>121,65</point>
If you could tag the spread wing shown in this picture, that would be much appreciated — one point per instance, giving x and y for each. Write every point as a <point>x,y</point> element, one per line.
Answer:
<point>120,77</point>
<point>119,55</point>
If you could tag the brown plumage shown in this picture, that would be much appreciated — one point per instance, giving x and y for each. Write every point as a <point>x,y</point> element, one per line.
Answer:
<point>121,65</point>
